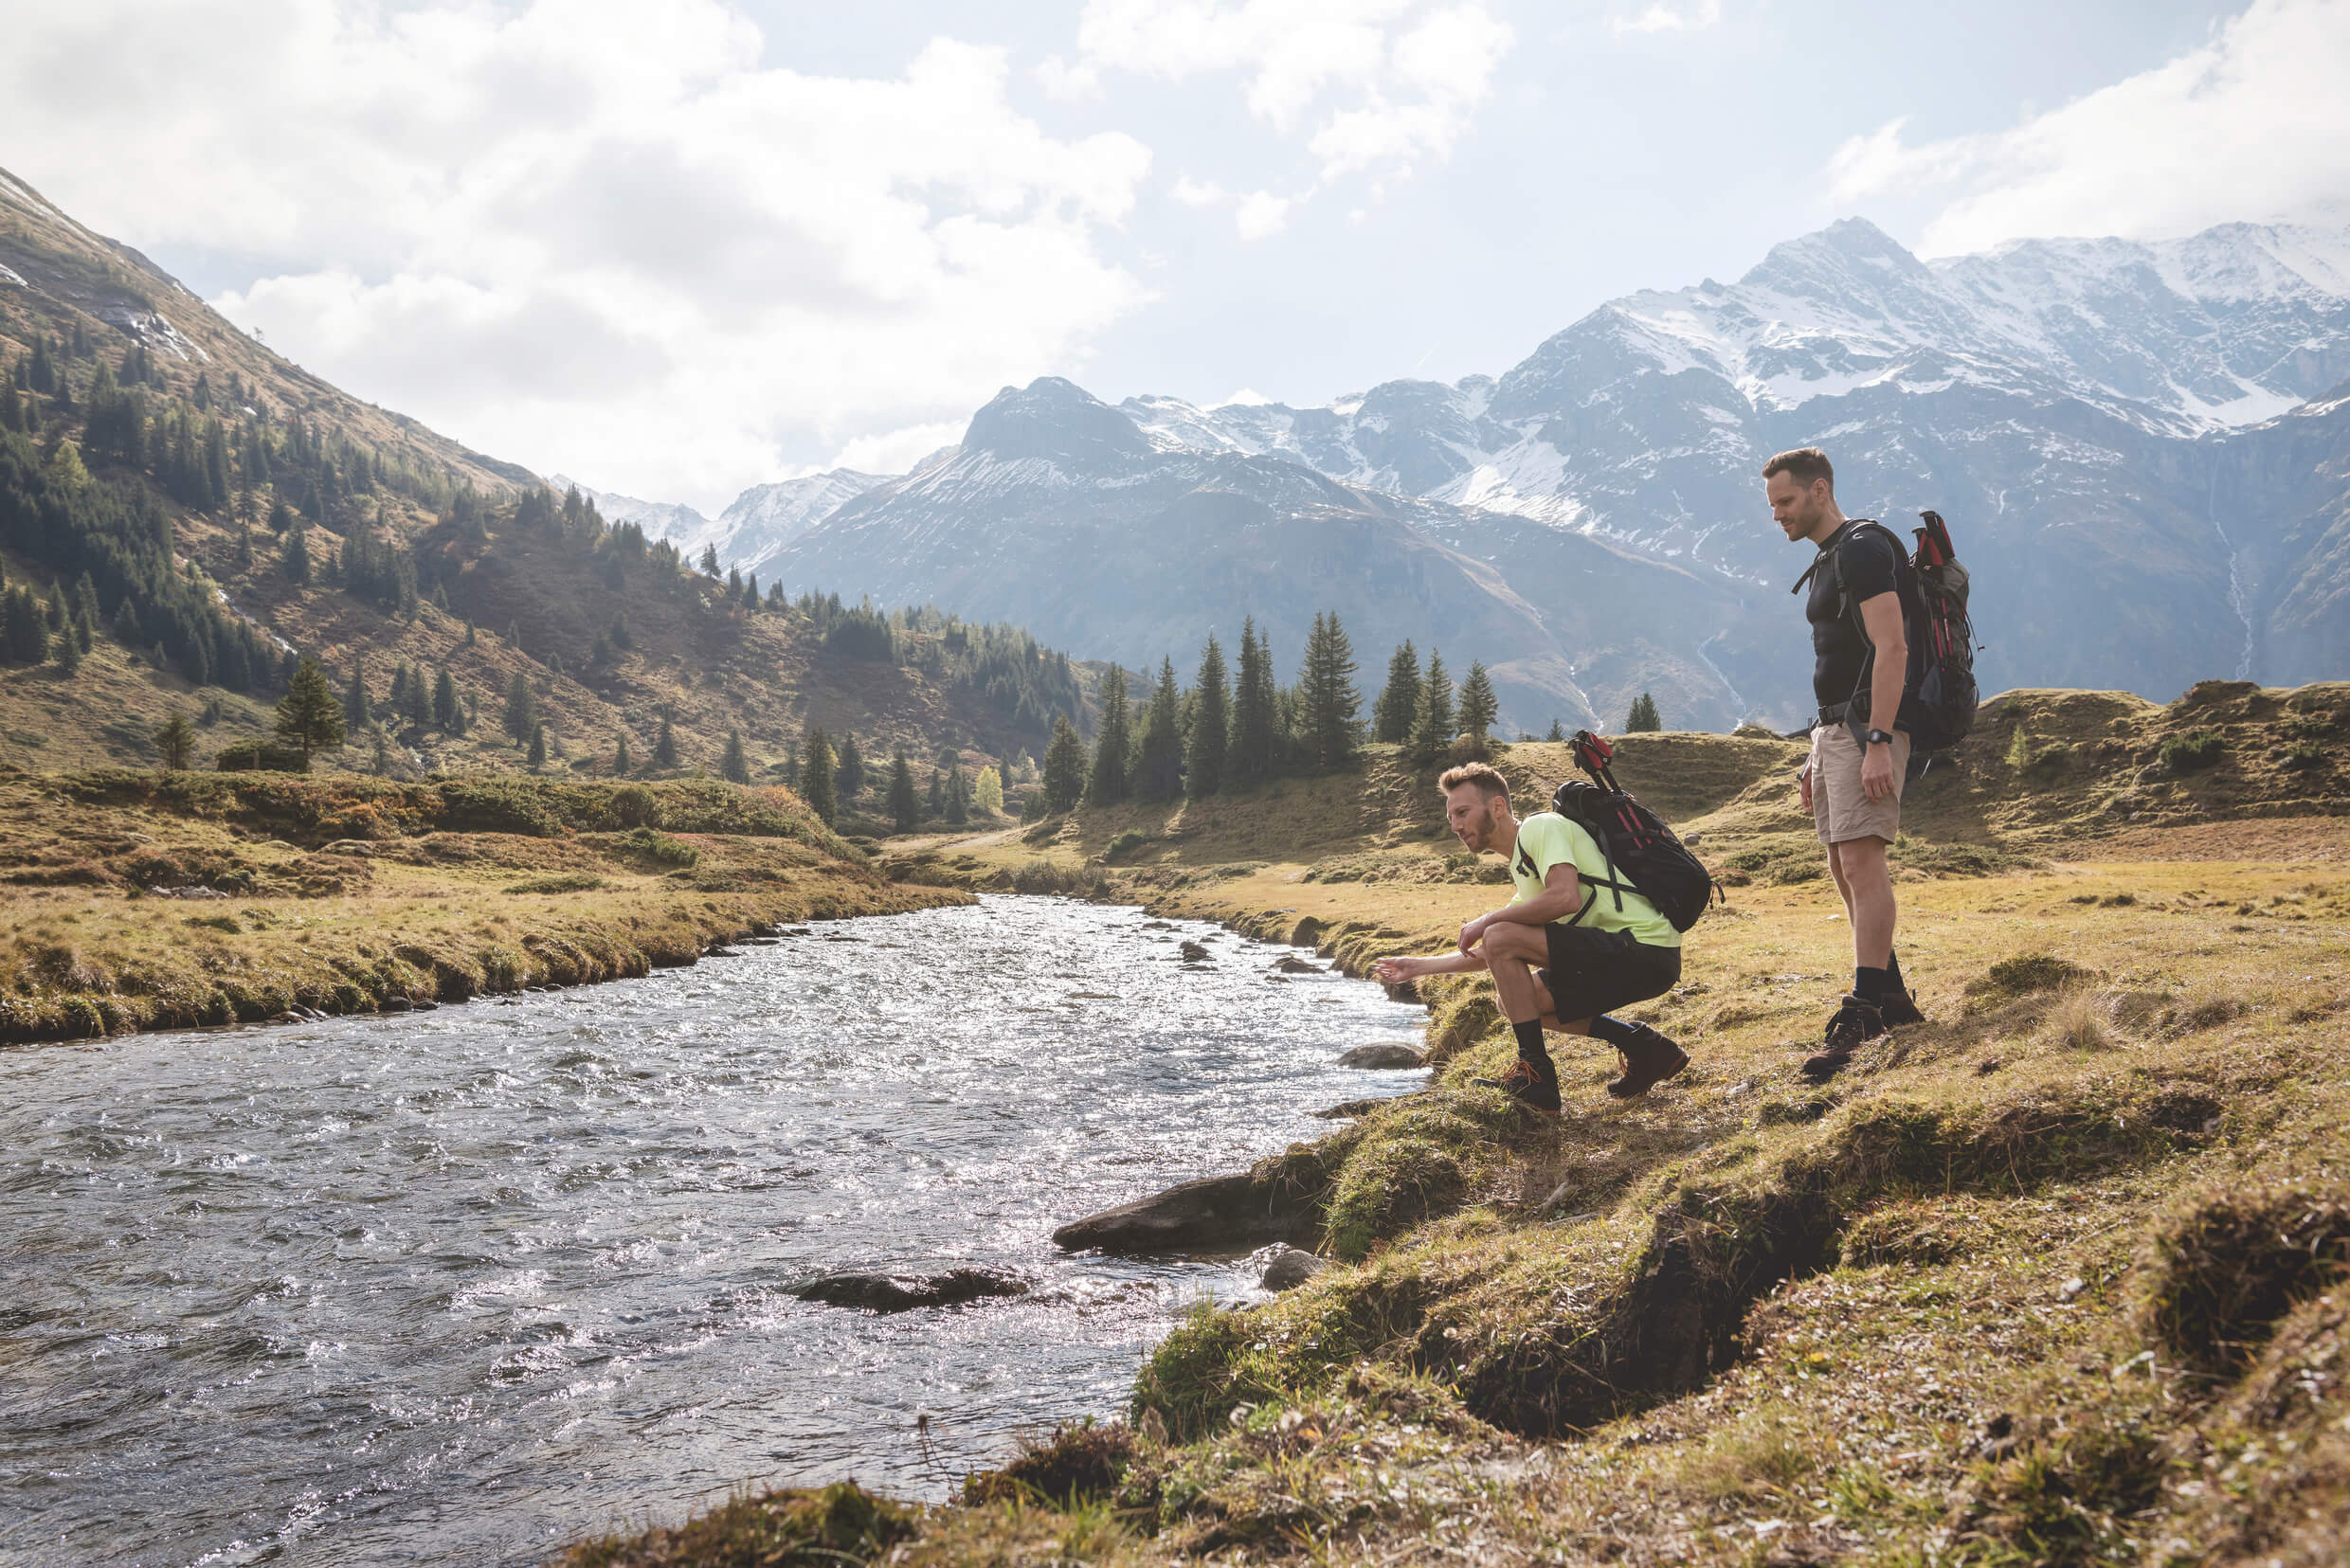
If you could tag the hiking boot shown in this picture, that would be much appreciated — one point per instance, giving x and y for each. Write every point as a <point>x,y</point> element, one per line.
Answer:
<point>1535,1088</point>
<point>1855,1024</point>
<point>1650,1058</point>
<point>1899,1007</point>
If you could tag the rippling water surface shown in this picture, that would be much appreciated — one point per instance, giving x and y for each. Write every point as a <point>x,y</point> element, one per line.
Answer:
<point>459,1285</point>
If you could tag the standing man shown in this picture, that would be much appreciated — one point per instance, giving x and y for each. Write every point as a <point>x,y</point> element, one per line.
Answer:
<point>1860,743</point>
<point>1560,955</point>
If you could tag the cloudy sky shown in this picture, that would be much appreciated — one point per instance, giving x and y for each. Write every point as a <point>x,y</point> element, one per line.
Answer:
<point>679,246</point>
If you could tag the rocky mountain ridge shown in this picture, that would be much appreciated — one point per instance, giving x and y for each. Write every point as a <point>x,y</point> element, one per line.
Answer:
<point>2151,420</point>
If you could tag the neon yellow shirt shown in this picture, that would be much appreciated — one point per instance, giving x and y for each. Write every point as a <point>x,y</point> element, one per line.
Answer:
<point>1547,839</point>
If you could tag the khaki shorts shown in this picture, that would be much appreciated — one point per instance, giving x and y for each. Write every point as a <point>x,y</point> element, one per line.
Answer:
<point>1840,808</point>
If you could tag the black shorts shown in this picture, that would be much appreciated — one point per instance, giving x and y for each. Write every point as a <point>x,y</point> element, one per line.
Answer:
<point>1595,972</point>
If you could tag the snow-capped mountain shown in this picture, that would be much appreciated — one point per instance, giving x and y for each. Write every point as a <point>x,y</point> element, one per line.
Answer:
<point>2141,448</point>
<point>755,524</point>
<point>660,519</point>
<point>1058,513</point>
<point>2179,338</point>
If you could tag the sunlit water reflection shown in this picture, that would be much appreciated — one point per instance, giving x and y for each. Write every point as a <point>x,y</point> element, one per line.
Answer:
<point>460,1285</point>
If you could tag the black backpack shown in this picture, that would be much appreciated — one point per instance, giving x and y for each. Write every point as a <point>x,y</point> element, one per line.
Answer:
<point>1938,693</point>
<point>1635,841</point>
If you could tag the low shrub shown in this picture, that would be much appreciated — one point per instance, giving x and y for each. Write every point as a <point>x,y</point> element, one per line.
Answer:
<point>1124,844</point>
<point>2195,750</point>
<point>1078,1463</point>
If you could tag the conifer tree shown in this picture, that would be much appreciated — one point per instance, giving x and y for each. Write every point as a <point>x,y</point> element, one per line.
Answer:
<point>357,711</point>
<point>1478,706</point>
<point>1329,704</point>
<point>1064,768</point>
<point>710,559</point>
<point>1211,721</point>
<point>1643,715</point>
<point>175,738</point>
<point>521,714</point>
<point>1398,701</point>
<point>1558,731</point>
<point>1159,760</point>
<point>308,714</point>
<point>905,811</point>
<point>665,745</point>
<point>296,556</point>
<point>448,714</point>
<point>469,639</point>
<point>848,771</point>
<point>734,766</point>
<point>622,761</point>
<point>1107,784</point>
<point>1249,758</point>
<point>958,797</point>
<point>66,647</point>
<point>1432,727</point>
<point>54,607</point>
<point>791,764</point>
<point>536,758</point>
<point>816,775</point>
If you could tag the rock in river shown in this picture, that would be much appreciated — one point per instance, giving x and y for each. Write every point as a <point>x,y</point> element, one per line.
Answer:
<point>1385,1054</point>
<point>1288,1269</point>
<point>904,1292</point>
<point>1290,963</point>
<point>1195,952</point>
<point>1216,1213</point>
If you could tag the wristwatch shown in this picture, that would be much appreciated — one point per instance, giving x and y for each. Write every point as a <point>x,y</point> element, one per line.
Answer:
<point>1880,737</point>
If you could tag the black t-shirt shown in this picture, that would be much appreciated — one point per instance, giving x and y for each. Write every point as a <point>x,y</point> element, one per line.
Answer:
<point>1839,647</point>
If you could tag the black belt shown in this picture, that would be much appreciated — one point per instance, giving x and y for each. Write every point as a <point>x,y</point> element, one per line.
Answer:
<point>1834,712</point>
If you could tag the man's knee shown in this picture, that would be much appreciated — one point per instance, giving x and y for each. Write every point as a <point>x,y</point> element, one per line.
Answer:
<point>1858,860</point>
<point>1510,940</point>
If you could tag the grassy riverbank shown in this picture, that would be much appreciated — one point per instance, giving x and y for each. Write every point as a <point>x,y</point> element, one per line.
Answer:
<point>2053,1278</point>
<point>150,901</point>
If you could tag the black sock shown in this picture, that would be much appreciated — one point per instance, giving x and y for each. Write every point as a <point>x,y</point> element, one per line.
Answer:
<point>1869,985</point>
<point>1892,972</point>
<point>1613,1031</point>
<point>1530,1042</point>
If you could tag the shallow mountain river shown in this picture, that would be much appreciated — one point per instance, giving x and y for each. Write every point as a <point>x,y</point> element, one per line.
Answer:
<point>462,1284</point>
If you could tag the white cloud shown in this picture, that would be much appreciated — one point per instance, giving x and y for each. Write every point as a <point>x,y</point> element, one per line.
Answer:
<point>1255,214</point>
<point>1374,85</point>
<point>897,451</point>
<point>1661,17</point>
<point>2254,124</point>
<point>590,235</point>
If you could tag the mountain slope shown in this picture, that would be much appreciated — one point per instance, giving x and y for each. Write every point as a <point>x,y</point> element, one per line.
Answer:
<point>230,512</point>
<point>1058,513</point>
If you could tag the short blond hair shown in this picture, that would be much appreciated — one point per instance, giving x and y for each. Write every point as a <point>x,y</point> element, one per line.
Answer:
<point>1483,775</point>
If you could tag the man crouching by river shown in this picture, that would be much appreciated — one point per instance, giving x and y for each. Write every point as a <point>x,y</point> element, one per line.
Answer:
<point>1561,957</point>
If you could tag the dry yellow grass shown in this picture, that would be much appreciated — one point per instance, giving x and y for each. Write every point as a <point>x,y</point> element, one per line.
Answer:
<point>2052,1278</point>
<point>130,901</point>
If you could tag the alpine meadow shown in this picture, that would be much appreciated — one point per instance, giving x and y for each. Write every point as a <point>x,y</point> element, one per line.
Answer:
<point>1709,925</point>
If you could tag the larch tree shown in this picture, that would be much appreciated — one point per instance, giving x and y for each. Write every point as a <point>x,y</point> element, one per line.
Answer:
<point>816,766</point>
<point>1211,719</point>
<point>1398,701</point>
<point>1107,785</point>
<point>521,715</point>
<point>1064,768</point>
<point>175,740</point>
<point>1431,725</point>
<point>1159,760</point>
<point>1478,706</point>
<point>1255,715</point>
<point>308,714</point>
<point>1330,702</point>
<point>905,810</point>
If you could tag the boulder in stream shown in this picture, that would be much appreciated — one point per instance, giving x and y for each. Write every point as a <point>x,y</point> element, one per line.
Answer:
<point>887,1292</point>
<point>1384,1055</point>
<point>1215,1213</point>
<point>1196,952</point>
<point>1290,963</point>
<point>1288,1269</point>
